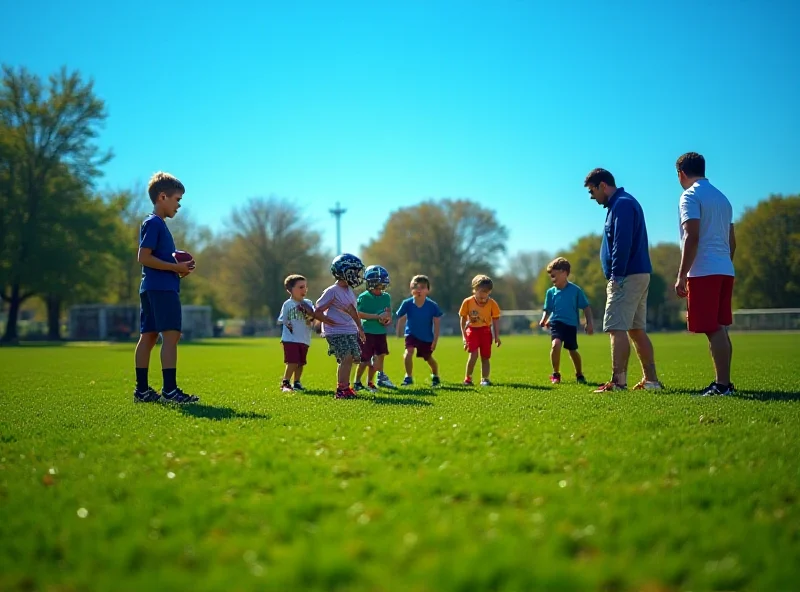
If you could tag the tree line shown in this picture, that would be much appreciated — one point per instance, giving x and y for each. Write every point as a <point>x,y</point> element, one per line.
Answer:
<point>64,242</point>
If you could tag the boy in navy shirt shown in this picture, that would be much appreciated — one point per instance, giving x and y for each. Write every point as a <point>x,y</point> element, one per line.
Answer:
<point>562,305</point>
<point>418,319</point>
<point>159,292</point>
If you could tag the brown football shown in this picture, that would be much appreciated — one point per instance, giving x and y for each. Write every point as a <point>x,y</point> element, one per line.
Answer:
<point>181,256</point>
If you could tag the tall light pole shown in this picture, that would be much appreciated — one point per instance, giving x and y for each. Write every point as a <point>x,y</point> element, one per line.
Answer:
<point>337,213</point>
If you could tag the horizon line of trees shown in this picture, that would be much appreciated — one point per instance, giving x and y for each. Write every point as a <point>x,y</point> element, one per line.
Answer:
<point>63,243</point>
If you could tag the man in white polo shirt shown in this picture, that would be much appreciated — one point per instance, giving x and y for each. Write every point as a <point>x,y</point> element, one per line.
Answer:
<point>706,273</point>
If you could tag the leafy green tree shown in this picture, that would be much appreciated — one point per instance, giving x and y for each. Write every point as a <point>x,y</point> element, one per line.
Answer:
<point>47,130</point>
<point>767,258</point>
<point>517,286</point>
<point>267,239</point>
<point>450,241</point>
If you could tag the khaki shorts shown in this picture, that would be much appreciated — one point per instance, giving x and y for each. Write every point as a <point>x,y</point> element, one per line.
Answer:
<point>626,303</point>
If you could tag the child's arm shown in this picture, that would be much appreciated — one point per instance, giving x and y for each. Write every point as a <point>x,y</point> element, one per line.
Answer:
<point>547,309</point>
<point>437,321</point>
<point>145,257</point>
<point>368,316</point>
<point>464,321</point>
<point>545,318</point>
<point>496,327</point>
<point>587,313</point>
<point>401,325</point>
<point>283,321</point>
<point>323,303</point>
<point>351,310</point>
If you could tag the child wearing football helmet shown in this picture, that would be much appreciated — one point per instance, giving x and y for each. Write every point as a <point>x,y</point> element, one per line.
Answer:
<point>374,307</point>
<point>345,334</point>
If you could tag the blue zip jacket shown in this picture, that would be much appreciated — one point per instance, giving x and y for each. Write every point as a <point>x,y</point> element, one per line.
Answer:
<point>625,250</point>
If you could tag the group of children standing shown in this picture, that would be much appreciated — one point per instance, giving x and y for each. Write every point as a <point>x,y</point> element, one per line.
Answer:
<point>356,328</point>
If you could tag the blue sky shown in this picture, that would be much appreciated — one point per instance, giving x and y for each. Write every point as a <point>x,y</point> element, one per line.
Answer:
<point>382,104</point>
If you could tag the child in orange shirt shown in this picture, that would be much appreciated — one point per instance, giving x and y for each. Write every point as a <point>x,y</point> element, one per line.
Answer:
<point>479,315</point>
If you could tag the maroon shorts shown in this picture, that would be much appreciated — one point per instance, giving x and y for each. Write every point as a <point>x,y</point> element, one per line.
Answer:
<point>423,348</point>
<point>709,303</point>
<point>480,338</point>
<point>294,353</point>
<point>375,345</point>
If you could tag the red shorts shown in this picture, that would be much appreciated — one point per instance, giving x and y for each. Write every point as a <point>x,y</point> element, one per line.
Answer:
<point>375,345</point>
<point>423,348</point>
<point>480,338</point>
<point>294,353</point>
<point>709,303</point>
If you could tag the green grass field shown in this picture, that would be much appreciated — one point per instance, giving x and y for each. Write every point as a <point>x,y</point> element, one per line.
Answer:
<point>519,486</point>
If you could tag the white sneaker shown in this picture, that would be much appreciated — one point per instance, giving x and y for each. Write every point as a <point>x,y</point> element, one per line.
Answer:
<point>383,381</point>
<point>648,385</point>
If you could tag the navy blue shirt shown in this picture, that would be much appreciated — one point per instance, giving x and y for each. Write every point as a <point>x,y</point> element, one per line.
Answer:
<point>420,318</point>
<point>155,235</point>
<point>625,249</point>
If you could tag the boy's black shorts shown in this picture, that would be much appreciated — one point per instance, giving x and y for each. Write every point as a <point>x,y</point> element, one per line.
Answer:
<point>160,311</point>
<point>568,334</point>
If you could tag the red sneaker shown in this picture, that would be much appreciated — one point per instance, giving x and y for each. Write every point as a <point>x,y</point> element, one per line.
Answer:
<point>347,393</point>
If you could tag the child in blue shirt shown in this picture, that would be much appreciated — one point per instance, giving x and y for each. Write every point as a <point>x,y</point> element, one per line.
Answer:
<point>418,318</point>
<point>562,305</point>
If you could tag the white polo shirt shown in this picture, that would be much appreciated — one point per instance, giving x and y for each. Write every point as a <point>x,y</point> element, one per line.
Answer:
<point>704,202</point>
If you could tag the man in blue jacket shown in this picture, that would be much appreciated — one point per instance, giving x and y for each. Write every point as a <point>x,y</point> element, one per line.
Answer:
<point>626,264</point>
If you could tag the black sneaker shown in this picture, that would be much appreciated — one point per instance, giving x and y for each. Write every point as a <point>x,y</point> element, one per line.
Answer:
<point>178,397</point>
<point>298,386</point>
<point>581,379</point>
<point>715,389</point>
<point>435,380</point>
<point>149,395</point>
<point>358,386</point>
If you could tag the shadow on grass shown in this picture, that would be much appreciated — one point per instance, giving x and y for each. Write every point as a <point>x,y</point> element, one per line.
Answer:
<point>218,413</point>
<point>767,395</point>
<point>214,343</point>
<point>316,393</point>
<point>527,387</point>
<point>378,400</point>
<point>455,387</point>
<point>417,391</point>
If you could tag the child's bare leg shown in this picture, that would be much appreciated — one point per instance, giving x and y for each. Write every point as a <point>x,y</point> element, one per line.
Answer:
<point>471,361</point>
<point>434,366</point>
<point>290,369</point>
<point>576,361</point>
<point>298,372</point>
<point>147,341</point>
<point>408,360</point>
<point>555,355</point>
<point>169,349</point>
<point>360,371</point>
<point>486,368</point>
<point>377,366</point>
<point>345,367</point>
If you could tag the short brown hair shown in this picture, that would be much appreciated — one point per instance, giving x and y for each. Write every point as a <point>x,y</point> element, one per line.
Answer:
<point>291,280</point>
<point>559,264</point>
<point>597,176</point>
<point>421,279</point>
<point>482,281</point>
<point>162,182</point>
<point>691,164</point>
